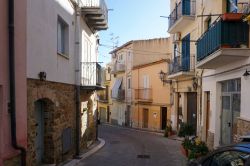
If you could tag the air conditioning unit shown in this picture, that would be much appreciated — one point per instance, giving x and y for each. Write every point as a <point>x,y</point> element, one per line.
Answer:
<point>176,37</point>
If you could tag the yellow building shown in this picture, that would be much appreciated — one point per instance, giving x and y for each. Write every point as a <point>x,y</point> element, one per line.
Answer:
<point>126,60</point>
<point>184,31</point>
<point>104,99</point>
<point>151,96</point>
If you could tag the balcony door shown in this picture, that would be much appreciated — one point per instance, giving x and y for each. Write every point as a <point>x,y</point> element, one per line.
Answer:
<point>185,55</point>
<point>186,7</point>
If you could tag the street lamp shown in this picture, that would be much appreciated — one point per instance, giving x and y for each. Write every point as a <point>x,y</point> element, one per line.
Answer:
<point>162,76</point>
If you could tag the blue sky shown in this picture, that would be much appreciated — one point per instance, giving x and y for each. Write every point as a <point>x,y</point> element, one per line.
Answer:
<point>133,20</point>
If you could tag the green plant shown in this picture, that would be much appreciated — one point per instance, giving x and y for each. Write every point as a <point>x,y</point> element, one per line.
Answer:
<point>186,130</point>
<point>196,148</point>
<point>168,131</point>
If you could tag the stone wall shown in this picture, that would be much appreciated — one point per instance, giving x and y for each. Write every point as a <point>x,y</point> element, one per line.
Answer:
<point>243,128</point>
<point>59,114</point>
<point>210,140</point>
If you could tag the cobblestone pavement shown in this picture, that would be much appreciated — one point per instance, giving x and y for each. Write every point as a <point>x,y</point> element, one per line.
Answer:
<point>125,147</point>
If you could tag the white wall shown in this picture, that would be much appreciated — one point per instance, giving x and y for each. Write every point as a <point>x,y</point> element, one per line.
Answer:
<point>211,82</point>
<point>42,40</point>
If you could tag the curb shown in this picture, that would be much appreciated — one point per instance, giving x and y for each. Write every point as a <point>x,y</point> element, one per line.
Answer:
<point>135,129</point>
<point>75,162</point>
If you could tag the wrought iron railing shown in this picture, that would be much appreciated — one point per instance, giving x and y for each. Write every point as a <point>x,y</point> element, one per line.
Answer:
<point>229,34</point>
<point>143,94</point>
<point>120,95</point>
<point>185,64</point>
<point>184,7</point>
<point>91,74</point>
<point>118,67</point>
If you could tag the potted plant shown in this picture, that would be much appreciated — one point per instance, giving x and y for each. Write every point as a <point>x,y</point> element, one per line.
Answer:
<point>197,149</point>
<point>186,130</point>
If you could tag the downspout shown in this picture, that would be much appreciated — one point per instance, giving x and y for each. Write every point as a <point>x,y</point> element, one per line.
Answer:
<point>77,77</point>
<point>12,103</point>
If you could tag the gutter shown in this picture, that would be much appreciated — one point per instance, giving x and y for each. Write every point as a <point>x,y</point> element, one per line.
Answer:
<point>12,102</point>
<point>77,78</point>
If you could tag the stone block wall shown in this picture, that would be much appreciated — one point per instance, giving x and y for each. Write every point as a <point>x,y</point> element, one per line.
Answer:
<point>59,114</point>
<point>210,140</point>
<point>243,128</point>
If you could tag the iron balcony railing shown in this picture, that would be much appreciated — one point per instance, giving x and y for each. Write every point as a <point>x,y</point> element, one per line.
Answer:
<point>118,67</point>
<point>120,95</point>
<point>143,94</point>
<point>184,7</point>
<point>227,34</point>
<point>178,64</point>
<point>91,74</point>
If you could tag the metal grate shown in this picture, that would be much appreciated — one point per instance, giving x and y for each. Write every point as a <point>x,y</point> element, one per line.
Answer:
<point>66,140</point>
<point>143,156</point>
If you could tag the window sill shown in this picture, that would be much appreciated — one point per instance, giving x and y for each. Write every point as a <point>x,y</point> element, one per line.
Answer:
<point>63,55</point>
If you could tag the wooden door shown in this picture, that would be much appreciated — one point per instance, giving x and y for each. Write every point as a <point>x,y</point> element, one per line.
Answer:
<point>163,118</point>
<point>145,118</point>
<point>192,109</point>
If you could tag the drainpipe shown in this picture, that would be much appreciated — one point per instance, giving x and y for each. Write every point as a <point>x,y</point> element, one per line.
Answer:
<point>12,103</point>
<point>77,78</point>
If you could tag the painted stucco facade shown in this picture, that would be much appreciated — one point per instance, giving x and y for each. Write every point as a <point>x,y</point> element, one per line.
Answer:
<point>124,59</point>
<point>7,153</point>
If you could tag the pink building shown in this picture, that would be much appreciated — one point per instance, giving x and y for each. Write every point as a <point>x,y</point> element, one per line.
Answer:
<point>8,154</point>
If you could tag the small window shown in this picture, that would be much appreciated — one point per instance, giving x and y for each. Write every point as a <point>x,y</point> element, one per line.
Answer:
<point>232,6</point>
<point>62,37</point>
<point>129,83</point>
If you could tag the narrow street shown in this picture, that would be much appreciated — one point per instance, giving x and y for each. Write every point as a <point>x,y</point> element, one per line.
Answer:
<point>124,145</point>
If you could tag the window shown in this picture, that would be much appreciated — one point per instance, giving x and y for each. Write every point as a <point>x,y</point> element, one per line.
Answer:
<point>62,37</point>
<point>232,6</point>
<point>208,23</point>
<point>129,83</point>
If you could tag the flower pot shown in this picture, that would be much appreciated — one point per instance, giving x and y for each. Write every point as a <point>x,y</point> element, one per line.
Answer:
<point>225,46</point>
<point>184,151</point>
<point>232,16</point>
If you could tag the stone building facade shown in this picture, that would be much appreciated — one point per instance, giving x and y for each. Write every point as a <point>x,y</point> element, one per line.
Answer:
<point>58,102</point>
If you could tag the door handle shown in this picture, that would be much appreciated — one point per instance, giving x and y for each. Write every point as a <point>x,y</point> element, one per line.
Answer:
<point>229,124</point>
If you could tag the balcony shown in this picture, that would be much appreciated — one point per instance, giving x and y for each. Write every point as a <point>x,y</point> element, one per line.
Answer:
<point>181,67</point>
<point>118,67</point>
<point>119,95</point>
<point>91,76</point>
<point>144,95</point>
<point>225,42</point>
<point>182,15</point>
<point>96,14</point>
<point>103,98</point>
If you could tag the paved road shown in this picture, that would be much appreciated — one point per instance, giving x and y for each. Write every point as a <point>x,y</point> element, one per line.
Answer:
<point>124,145</point>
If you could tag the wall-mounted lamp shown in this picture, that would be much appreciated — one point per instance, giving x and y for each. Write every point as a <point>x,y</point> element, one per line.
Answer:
<point>247,73</point>
<point>42,75</point>
<point>162,76</point>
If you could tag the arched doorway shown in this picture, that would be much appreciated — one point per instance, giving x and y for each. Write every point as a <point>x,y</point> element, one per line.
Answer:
<point>44,146</point>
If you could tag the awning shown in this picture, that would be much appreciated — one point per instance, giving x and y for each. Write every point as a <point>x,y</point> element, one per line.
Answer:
<point>116,87</point>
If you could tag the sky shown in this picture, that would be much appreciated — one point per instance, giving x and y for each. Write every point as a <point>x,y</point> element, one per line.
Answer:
<point>133,20</point>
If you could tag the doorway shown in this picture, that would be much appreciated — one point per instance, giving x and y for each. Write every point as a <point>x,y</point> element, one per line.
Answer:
<point>163,118</point>
<point>230,110</point>
<point>192,109</point>
<point>145,118</point>
<point>39,139</point>
<point>127,116</point>
<point>207,114</point>
<point>108,114</point>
